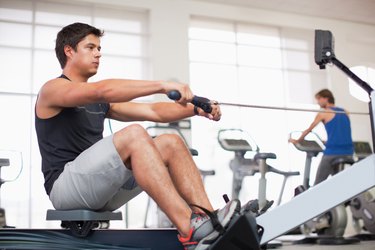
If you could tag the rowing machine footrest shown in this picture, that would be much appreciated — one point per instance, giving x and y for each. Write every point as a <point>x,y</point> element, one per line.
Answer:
<point>242,233</point>
<point>81,222</point>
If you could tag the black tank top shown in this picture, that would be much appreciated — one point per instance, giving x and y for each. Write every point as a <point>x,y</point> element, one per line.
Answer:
<point>64,136</point>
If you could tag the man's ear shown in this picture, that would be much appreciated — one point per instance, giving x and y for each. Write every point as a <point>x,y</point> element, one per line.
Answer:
<point>68,50</point>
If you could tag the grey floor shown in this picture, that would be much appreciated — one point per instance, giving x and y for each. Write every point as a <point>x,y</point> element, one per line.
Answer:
<point>287,244</point>
<point>364,245</point>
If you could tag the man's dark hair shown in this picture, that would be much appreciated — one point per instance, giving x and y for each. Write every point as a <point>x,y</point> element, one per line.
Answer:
<point>326,93</point>
<point>71,35</point>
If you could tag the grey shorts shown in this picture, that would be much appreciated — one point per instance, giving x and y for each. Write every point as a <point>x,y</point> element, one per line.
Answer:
<point>97,179</point>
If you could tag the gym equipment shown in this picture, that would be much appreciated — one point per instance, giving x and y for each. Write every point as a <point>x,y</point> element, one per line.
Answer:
<point>4,162</point>
<point>175,127</point>
<point>240,142</point>
<point>330,226</point>
<point>11,157</point>
<point>242,233</point>
<point>363,205</point>
<point>362,150</point>
<point>287,109</point>
<point>327,191</point>
<point>363,208</point>
<point>324,53</point>
<point>312,146</point>
<point>81,222</point>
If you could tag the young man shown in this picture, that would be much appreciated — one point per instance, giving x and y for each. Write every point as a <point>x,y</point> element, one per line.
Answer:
<point>84,170</point>
<point>339,138</point>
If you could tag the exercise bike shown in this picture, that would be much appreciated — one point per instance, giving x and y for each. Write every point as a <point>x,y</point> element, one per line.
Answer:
<point>241,143</point>
<point>11,158</point>
<point>4,162</point>
<point>330,227</point>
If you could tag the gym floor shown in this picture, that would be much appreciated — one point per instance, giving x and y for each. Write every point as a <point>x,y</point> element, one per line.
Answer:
<point>363,245</point>
<point>287,242</point>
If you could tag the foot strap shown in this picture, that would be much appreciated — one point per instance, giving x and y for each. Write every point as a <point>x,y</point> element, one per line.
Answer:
<point>214,220</point>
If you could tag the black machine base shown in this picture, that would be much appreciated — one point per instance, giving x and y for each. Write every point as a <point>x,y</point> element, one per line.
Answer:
<point>242,234</point>
<point>365,236</point>
<point>236,238</point>
<point>326,240</point>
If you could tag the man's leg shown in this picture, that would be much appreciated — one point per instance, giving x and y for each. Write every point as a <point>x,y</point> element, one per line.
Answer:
<point>139,152</point>
<point>93,179</point>
<point>324,169</point>
<point>183,171</point>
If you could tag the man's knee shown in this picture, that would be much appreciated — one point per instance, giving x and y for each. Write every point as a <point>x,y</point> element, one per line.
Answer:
<point>172,141</point>
<point>131,137</point>
<point>132,133</point>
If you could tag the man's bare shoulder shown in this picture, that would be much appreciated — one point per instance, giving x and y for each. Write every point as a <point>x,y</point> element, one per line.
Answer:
<point>44,108</point>
<point>56,82</point>
<point>52,87</point>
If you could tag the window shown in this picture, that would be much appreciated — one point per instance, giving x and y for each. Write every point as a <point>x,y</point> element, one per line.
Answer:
<point>367,74</point>
<point>28,31</point>
<point>252,64</point>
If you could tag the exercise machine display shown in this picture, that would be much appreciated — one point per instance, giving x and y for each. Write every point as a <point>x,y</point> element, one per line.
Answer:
<point>240,142</point>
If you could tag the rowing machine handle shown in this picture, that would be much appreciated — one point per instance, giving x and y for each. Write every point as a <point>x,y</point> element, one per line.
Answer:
<point>198,101</point>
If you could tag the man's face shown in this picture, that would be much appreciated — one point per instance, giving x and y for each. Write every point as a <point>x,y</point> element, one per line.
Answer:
<point>322,101</point>
<point>87,56</point>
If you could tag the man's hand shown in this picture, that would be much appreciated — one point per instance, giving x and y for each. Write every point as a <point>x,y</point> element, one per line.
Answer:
<point>215,114</point>
<point>184,89</point>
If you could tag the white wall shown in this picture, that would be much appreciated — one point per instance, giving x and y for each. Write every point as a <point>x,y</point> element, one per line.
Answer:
<point>169,20</point>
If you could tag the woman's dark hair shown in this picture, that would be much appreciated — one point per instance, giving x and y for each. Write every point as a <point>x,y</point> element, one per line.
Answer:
<point>326,93</point>
<point>71,35</point>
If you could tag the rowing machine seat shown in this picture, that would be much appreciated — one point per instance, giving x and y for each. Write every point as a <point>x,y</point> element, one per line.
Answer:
<point>81,221</point>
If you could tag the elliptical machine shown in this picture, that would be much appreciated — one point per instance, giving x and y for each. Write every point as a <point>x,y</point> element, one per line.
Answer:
<point>330,227</point>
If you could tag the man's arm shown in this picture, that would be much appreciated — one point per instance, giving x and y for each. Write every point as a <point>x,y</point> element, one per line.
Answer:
<point>59,93</point>
<point>63,93</point>
<point>158,112</point>
<point>318,118</point>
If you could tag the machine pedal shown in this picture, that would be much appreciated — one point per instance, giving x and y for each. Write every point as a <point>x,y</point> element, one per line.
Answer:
<point>243,233</point>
